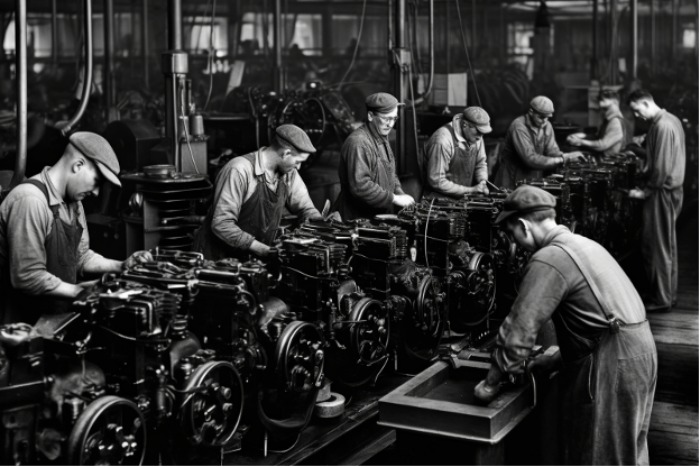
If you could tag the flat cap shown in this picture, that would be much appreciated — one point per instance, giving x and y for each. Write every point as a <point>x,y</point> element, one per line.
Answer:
<point>381,102</point>
<point>96,148</point>
<point>526,199</point>
<point>479,118</point>
<point>542,105</point>
<point>296,137</point>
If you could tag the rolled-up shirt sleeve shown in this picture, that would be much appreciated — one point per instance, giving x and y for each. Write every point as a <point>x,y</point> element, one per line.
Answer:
<point>85,254</point>
<point>613,135</point>
<point>541,291</point>
<point>299,201</point>
<point>481,169</point>
<point>530,157</point>
<point>27,228</point>
<point>360,180</point>
<point>224,223</point>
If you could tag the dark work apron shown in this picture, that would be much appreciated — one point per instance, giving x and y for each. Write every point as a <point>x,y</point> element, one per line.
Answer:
<point>461,170</point>
<point>61,247</point>
<point>608,391</point>
<point>260,216</point>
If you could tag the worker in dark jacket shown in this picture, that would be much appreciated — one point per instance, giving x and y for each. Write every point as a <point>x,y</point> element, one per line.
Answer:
<point>663,194</point>
<point>44,241</point>
<point>612,133</point>
<point>250,195</point>
<point>455,156</point>
<point>367,170</point>
<point>530,147</point>
<point>608,353</point>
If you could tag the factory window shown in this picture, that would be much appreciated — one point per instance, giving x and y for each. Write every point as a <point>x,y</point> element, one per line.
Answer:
<point>304,30</point>
<point>198,30</point>
<point>520,36</point>
<point>344,35</point>
<point>689,36</point>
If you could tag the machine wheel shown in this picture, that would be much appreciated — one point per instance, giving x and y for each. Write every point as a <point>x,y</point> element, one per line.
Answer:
<point>428,310</point>
<point>300,359</point>
<point>111,430</point>
<point>369,336</point>
<point>214,406</point>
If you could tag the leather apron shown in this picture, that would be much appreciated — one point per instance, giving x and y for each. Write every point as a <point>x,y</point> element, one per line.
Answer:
<point>607,389</point>
<point>61,246</point>
<point>260,216</point>
<point>462,164</point>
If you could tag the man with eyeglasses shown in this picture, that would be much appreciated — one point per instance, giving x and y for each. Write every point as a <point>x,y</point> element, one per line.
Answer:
<point>250,195</point>
<point>455,156</point>
<point>44,242</point>
<point>530,147</point>
<point>367,170</point>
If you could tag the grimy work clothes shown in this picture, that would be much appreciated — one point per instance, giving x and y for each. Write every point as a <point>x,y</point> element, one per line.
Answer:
<point>452,164</point>
<point>665,170</point>
<point>367,172</point>
<point>609,355</point>
<point>43,242</point>
<point>249,207</point>
<point>526,153</point>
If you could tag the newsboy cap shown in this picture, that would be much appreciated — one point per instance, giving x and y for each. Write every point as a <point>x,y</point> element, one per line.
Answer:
<point>526,199</point>
<point>295,137</point>
<point>96,148</point>
<point>542,105</point>
<point>478,117</point>
<point>381,102</point>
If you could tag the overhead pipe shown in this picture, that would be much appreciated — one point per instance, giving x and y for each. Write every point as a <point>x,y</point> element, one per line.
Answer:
<point>175,24</point>
<point>87,71</point>
<point>109,53</point>
<point>144,44</point>
<point>21,91</point>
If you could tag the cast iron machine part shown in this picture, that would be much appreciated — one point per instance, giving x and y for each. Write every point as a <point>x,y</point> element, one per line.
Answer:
<point>316,284</point>
<point>183,391</point>
<point>280,360</point>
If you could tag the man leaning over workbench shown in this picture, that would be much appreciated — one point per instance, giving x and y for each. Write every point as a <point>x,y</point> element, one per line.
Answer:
<point>44,242</point>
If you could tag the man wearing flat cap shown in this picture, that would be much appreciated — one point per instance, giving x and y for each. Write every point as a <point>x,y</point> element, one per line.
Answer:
<point>530,147</point>
<point>44,242</point>
<point>250,196</point>
<point>607,352</point>
<point>455,156</point>
<point>367,170</point>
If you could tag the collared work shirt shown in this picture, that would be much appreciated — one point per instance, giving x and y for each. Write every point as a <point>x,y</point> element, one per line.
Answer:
<point>367,173</point>
<point>665,164</point>
<point>554,287</point>
<point>236,183</point>
<point>527,152</point>
<point>446,144</point>
<point>25,222</point>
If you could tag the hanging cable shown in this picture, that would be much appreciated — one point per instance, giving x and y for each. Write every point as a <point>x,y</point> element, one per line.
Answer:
<point>211,53</point>
<point>466,51</point>
<point>357,44</point>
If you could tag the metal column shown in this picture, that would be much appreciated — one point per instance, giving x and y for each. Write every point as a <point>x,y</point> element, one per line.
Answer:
<point>144,44</point>
<point>635,37</point>
<point>21,90</point>
<point>400,57</point>
<point>594,56</point>
<point>278,71</point>
<point>108,74</point>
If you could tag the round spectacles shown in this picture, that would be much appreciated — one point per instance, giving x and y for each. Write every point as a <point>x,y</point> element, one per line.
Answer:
<point>384,119</point>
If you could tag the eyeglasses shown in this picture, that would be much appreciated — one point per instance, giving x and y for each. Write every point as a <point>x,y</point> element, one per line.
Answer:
<point>384,119</point>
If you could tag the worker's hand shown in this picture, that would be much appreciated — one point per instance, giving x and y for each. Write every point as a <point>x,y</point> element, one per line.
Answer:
<point>260,249</point>
<point>575,139</point>
<point>636,193</point>
<point>576,156</point>
<point>488,389</point>
<point>335,216</point>
<point>482,188</point>
<point>404,201</point>
<point>138,257</point>
<point>639,140</point>
<point>545,362</point>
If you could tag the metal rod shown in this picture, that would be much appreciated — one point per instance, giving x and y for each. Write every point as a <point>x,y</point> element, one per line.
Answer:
<point>431,46</point>
<point>674,27</point>
<point>278,71</point>
<point>175,24</point>
<point>87,72</point>
<point>21,90</point>
<point>635,37</point>
<point>400,84</point>
<point>54,33</point>
<point>594,32</point>
<point>109,53</point>
<point>144,43</point>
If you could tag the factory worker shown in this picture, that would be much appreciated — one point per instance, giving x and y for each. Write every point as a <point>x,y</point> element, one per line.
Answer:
<point>367,170</point>
<point>608,357</point>
<point>612,133</point>
<point>250,195</point>
<point>530,147</point>
<point>456,157</point>
<point>662,192</point>
<point>44,241</point>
